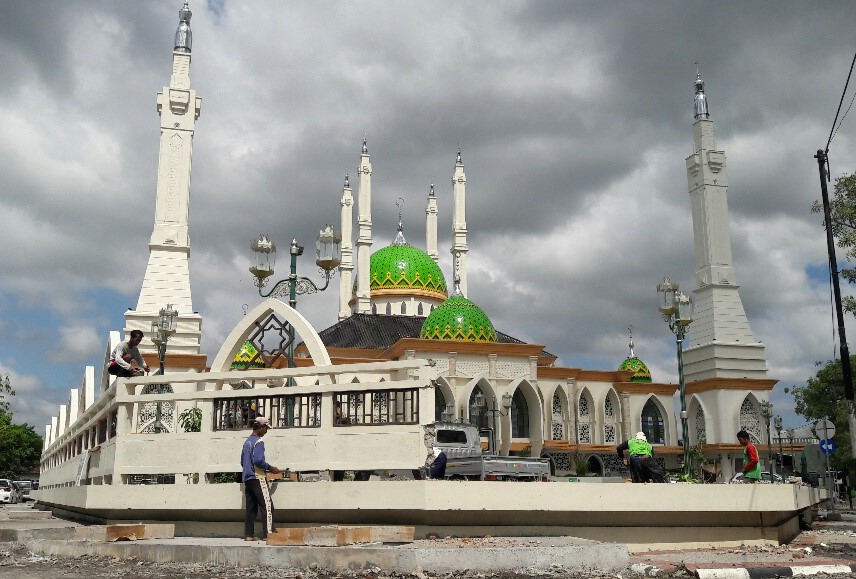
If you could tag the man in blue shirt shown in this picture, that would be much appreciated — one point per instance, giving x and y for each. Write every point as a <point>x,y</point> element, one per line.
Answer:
<point>256,490</point>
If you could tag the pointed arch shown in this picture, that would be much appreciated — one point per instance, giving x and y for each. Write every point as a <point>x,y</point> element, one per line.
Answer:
<point>750,418</point>
<point>443,391</point>
<point>611,417</point>
<point>585,417</point>
<point>480,416</point>
<point>242,330</point>
<point>653,423</point>
<point>697,418</point>
<point>526,416</point>
<point>559,412</point>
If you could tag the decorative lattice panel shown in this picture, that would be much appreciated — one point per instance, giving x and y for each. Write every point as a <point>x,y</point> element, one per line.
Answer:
<point>608,433</point>
<point>472,369</point>
<point>584,406</point>
<point>608,408</point>
<point>558,426</point>
<point>511,369</point>
<point>156,417</point>
<point>562,460</point>
<point>584,430</point>
<point>611,463</point>
<point>700,426</point>
<point>750,421</point>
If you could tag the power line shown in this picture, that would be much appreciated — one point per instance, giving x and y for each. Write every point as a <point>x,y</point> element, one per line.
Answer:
<point>834,129</point>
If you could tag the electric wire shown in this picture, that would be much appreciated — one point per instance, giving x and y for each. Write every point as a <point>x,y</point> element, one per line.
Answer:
<point>834,129</point>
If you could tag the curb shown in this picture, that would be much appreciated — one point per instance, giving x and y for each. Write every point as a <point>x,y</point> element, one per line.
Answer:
<point>770,572</point>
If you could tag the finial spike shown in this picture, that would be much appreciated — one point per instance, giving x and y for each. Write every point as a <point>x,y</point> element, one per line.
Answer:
<point>365,146</point>
<point>183,36</point>
<point>347,181</point>
<point>431,193</point>
<point>700,108</point>
<point>399,237</point>
<point>630,329</point>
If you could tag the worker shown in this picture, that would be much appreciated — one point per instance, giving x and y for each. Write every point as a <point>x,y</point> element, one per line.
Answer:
<point>643,467</point>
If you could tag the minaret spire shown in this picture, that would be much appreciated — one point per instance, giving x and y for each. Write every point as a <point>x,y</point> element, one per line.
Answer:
<point>167,277</point>
<point>346,268</point>
<point>722,344</point>
<point>630,329</point>
<point>364,239</point>
<point>399,236</point>
<point>459,218</point>
<point>431,225</point>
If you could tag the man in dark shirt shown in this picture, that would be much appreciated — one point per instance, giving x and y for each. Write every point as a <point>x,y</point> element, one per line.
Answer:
<point>256,490</point>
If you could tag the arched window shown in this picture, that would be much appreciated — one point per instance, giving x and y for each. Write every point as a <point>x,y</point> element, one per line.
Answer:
<point>388,309</point>
<point>610,415</point>
<point>750,421</point>
<point>156,417</point>
<point>700,426</point>
<point>519,415</point>
<point>439,403</point>
<point>584,421</point>
<point>419,309</point>
<point>478,414</point>
<point>403,308</point>
<point>558,419</point>
<point>652,423</point>
<point>374,309</point>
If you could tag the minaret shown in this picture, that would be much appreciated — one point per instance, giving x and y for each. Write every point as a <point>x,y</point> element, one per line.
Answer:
<point>363,304</point>
<point>346,268</point>
<point>459,220</point>
<point>167,278</point>
<point>721,345</point>
<point>431,226</point>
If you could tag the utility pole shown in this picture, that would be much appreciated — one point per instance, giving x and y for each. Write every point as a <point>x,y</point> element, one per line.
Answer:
<point>846,372</point>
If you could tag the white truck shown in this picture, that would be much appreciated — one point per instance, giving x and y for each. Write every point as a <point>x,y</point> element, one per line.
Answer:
<point>466,460</point>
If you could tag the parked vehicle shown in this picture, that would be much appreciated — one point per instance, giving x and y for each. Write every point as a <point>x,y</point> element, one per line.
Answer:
<point>10,493</point>
<point>467,461</point>
<point>766,477</point>
<point>25,486</point>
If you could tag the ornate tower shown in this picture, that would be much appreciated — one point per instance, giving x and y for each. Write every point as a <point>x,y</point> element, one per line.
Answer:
<point>167,278</point>
<point>363,304</point>
<point>459,220</point>
<point>346,269</point>
<point>722,345</point>
<point>431,225</point>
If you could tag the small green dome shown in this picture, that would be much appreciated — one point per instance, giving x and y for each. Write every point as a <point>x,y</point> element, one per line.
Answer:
<point>247,357</point>
<point>404,267</point>
<point>641,373</point>
<point>458,318</point>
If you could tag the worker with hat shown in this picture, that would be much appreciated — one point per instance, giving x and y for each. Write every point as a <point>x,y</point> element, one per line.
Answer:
<point>643,467</point>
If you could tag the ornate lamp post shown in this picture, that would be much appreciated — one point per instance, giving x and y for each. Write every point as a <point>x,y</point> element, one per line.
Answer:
<point>778,424</point>
<point>162,329</point>
<point>480,402</point>
<point>677,310</point>
<point>767,414</point>
<point>328,256</point>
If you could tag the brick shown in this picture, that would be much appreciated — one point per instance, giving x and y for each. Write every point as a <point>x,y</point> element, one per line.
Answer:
<point>136,532</point>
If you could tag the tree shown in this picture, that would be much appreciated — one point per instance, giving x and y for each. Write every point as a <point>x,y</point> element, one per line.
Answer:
<point>823,397</point>
<point>6,393</point>
<point>20,447</point>
<point>843,218</point>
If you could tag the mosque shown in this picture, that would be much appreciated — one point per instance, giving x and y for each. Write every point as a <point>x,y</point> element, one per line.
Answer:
<point>397,310</point>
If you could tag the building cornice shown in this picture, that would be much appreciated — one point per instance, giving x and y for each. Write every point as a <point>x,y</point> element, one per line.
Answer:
<point>645,388</point>
<point>730,384</point>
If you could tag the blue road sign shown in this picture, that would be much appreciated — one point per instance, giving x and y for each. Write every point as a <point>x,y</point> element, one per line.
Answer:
<point>827,446</point>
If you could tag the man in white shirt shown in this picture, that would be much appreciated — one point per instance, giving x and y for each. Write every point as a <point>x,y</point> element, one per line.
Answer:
<point>124,354</point>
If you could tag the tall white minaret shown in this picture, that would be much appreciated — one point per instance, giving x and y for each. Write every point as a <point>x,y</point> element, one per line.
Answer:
<point>167,278</point>
<point>721,345</point>
<point>459,220</point>
<point>346,268</point>
<point>363,303</point>
<point>431,226</point>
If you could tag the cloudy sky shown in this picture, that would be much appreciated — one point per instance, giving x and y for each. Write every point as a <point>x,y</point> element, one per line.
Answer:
<point>574,119</point>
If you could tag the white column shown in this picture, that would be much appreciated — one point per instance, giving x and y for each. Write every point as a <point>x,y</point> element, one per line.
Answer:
<point>364,239</point>
<point>346,269</point>
<point>459,220</point>
<point>431,226</point>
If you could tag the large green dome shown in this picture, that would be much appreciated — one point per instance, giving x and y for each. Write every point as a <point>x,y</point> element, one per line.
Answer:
<point>247,357</point>
<point>404,267</point>
<point>458,318</point>
<point>641,373</point>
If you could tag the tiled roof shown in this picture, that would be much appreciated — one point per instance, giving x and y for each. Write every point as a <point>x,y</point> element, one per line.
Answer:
<point>379,332</point>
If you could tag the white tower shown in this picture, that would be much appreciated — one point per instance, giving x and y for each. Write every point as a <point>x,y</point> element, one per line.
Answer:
<point>459,221</point>
<point>167,278</point>
<point>346,269</point>
<point>431,226</point>
<point>721,345</point>
<point>364,240</point>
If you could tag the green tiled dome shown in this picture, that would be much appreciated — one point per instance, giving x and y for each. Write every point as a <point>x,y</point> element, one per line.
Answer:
<point>641,373</point>
<point>244,356</point>
<point>458,319</point>
<point>404,267</point>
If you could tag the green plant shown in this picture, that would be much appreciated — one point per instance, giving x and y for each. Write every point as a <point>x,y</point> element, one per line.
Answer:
<point>191,420</point>
<point>687,478</point>
<point>581,465</point>
<point>525,451</point>
<point>222,477</point>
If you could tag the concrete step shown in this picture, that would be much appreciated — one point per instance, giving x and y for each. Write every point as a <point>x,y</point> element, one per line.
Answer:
<point>28,515</point>
<point>339,535</point>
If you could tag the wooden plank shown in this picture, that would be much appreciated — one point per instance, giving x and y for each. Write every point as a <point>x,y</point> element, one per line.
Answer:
<point>136,532</point>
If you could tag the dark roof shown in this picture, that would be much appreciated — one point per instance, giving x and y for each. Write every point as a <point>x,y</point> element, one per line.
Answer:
<point>380,332</point>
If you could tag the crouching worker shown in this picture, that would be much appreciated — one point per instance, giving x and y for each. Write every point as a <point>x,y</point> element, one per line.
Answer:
<point>256,489</point>
<point>643,467</point>
<point>438,467</point>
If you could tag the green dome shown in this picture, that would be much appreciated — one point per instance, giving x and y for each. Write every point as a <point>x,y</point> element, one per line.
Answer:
<point>641,373</point>
<point>404,267</point>
<point>247,357</point>
<point>458,318</point>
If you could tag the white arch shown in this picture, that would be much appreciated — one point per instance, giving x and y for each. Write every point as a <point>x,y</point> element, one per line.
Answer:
<point>694,405</point>
<point>241,331</point>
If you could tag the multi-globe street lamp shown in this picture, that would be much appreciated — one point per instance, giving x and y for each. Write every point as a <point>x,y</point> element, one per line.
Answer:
<point>677,310</point>
<point>162,329</point>
<point>767,414</point>
<point>479,401</point>
<point>777,421</point>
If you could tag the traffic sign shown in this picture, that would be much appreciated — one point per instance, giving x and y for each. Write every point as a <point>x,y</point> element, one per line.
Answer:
<point>827,446</point>
<point>824,429</point>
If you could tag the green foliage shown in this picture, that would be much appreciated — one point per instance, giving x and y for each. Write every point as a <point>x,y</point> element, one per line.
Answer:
<point>525,451</point>
<point>687,478</point>
<point>222,477</point>
<point>191,420</point>
<point>823,396</point>
<point>696,458</point>
<point>581,465</point>
<point>6,393</point>
<point>842,208</point>
<point>20,447</point>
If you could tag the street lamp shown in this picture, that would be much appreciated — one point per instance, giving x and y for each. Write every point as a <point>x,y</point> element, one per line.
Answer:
<point>328,256</point>
<point>480,402</point>
<point>677,310</point>
<point>778,424</point>
<point>162,328</point>
<point>767,414</point>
